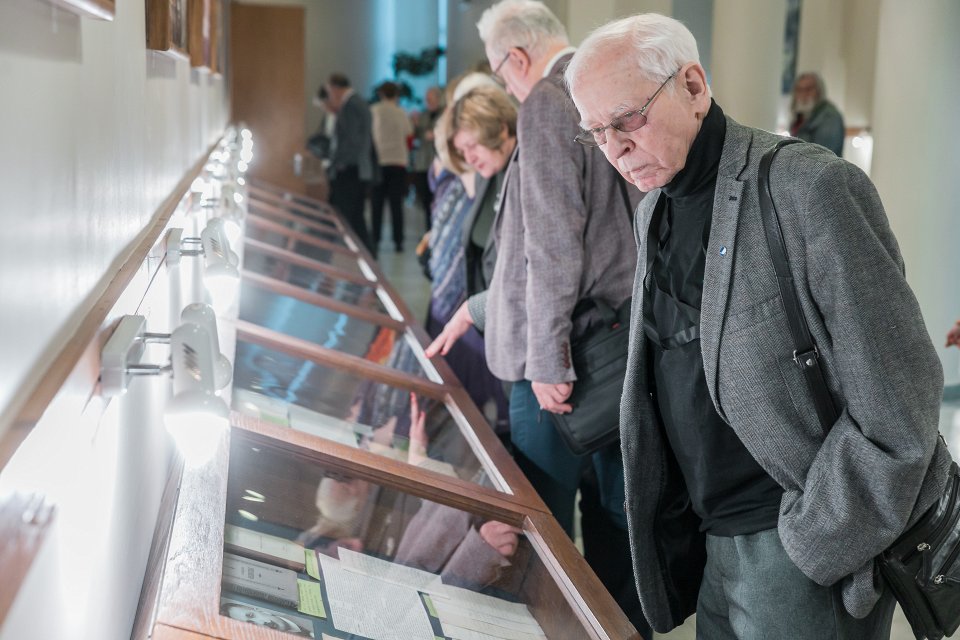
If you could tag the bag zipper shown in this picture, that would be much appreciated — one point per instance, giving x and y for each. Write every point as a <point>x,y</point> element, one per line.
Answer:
<point>933,539</point>
<point>940,578</point>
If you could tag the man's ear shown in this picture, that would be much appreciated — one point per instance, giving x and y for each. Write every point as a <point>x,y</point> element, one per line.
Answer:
<point>694,81</point>
<point>522,59</point>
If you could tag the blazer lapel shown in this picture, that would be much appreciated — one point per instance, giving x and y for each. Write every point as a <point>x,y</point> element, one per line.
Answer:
<point>721,250</point>
<point>513,166</point>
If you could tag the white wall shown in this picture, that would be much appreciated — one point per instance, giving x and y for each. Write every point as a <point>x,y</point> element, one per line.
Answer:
<point>747,59</point>
<point>96,131</point>
<point>916,165</point>
<point>584,17</point>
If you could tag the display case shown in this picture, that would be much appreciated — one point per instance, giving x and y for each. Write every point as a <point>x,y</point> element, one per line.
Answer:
<point>359,493</point>
<point>354,490</point>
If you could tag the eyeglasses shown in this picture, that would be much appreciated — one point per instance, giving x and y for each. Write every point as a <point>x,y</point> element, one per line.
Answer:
<point>629,121</point>
<point>496,72</point>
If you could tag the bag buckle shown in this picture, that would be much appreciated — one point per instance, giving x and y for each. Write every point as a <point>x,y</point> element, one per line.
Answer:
<point>806,359</point>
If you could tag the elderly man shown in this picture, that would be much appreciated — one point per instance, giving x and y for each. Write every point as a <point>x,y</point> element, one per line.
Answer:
<point>720,434</point>
<point>562,235</point>
<point>815,119</point>
<point>352,157</point>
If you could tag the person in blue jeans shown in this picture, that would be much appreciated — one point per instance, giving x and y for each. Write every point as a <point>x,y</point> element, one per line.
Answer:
<point>561,234</point>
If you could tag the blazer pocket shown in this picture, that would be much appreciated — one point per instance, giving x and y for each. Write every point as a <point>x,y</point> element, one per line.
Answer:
<point>762,392</point>
<point>745,317</point>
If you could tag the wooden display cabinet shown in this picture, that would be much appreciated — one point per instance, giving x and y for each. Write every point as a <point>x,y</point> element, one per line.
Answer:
<point>327,453</point>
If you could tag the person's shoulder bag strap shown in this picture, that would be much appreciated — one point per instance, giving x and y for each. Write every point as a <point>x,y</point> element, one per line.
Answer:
<point>805,353</point>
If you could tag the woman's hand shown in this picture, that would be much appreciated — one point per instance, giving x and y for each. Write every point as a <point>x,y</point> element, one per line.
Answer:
<point>502,537</point>
<point>953,336</point>
<point>459,324</point>
<point>418,433</point>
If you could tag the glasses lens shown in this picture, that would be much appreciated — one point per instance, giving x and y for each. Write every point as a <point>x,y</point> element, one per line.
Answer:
<point>590,138</point>
<point>629,122</point>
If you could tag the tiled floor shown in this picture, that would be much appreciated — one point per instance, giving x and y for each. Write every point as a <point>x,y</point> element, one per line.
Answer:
<point>402,269</point>
<point>407,277</point>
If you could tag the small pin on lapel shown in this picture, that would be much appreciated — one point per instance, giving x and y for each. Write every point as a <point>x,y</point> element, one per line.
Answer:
<point>723,251</point>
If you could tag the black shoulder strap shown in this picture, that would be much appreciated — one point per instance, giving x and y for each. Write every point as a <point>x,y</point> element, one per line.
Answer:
<point>805,352</point>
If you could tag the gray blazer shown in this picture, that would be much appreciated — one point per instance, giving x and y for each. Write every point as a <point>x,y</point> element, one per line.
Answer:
<point>353,142</point>
<point>563,233</point>
<point>849,492</point>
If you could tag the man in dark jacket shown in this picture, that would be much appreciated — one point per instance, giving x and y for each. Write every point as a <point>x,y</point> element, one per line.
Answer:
<point>351,164</point>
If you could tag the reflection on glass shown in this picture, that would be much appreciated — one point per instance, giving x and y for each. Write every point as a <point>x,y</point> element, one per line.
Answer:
<point>330,329</point>
<point>338,259</point>
<point>345,408</point>
<point>312,280</point>
<point>369,560</point>
<point>330,233</point>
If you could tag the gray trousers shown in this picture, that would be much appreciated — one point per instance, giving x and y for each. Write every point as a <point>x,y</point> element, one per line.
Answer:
<point>751,590</point>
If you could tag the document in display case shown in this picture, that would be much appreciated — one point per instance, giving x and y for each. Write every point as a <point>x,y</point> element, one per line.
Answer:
<point>385,563</point>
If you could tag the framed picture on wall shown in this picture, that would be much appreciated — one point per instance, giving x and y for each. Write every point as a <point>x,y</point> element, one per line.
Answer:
<point>102,9</point>
<point>167,22</point>
<point>200,33</point>
<point>217,41</point>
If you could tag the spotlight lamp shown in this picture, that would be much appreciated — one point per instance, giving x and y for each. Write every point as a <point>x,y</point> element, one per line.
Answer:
<point>203,316</point>
<point>196,416</point>
<point>220,273</point>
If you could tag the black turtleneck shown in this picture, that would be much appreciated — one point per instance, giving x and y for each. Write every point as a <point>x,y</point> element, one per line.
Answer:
<point>728,489</point>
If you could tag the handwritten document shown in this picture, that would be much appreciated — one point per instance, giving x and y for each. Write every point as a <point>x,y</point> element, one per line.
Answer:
<point>373,608</point>
<point>389,571</point>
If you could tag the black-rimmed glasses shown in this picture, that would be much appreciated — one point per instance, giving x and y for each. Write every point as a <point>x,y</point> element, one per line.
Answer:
<point>626,123</point>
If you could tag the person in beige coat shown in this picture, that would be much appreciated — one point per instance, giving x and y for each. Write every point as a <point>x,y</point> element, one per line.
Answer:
<point>391,128</point>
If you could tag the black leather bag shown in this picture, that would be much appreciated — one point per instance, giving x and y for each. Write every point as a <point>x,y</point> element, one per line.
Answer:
<point>599,358</point>
<point>922,567</point>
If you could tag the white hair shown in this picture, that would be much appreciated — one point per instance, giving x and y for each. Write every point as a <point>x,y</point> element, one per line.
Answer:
<point>470,82</point>
<point>527,24</point>
<point>656,44</point>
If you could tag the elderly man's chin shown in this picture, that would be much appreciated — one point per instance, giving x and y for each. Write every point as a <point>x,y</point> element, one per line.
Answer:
<point>645,180</point>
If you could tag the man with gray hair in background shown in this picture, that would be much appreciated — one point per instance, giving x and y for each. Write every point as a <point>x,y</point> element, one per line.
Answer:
<point>815,119</point>
<point>563,235</point>
<point>742,505</point>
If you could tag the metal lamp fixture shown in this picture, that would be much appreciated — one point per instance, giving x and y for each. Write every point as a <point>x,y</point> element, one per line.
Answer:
<point>220,274</point>
<point>196,416</point>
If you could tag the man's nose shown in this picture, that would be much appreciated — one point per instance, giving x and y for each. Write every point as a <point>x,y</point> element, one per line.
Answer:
<point>618,145</point>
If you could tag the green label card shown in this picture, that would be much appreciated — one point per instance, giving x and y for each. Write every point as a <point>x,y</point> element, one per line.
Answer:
<point>311,599</point>
<point>310,560</point>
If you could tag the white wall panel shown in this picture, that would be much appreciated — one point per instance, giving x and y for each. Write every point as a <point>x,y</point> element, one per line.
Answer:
<point>96,131</point>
